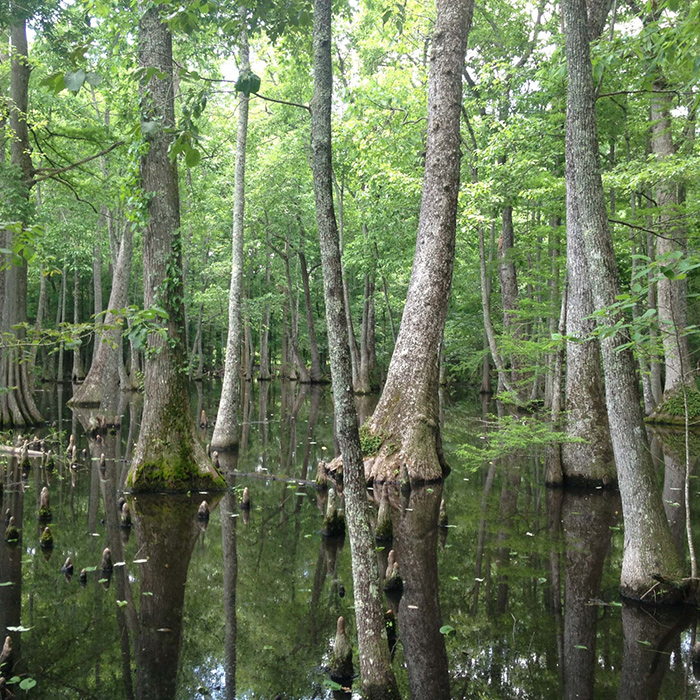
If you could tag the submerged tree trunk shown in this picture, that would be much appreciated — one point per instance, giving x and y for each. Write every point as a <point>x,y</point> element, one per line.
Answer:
<point>407,417</point>
<point>649,552</point>
<point>168,455</point>
<point>375,662</point>
<point>225,435</point>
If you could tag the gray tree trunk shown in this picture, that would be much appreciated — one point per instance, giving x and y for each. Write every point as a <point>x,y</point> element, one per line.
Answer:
<point>671,293</point>
<point>102,383</point>
<point>375,662</point>
<point>316,374</point>
<point>589,462</point>
<point>78,372</point>
<point>407,416</point>
<point>168,455</point>
<point>649,550</point>
<point>225,435</point>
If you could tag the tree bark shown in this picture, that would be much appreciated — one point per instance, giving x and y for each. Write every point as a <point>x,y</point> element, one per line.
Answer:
<point>375,662</point>
<point>589,462</point>
<point>225,435</point>
<point>407,417</point>
<point>649,550</point>
<point>17,405</point>
<point>102,384</point>
<point>671,293</point>
<point>77,373</point>
<point>316,374</point>
<point>168,455</point>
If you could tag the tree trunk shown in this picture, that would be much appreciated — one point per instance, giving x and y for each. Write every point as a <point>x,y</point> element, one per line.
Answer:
<point>168,456</point>
<point>649,550</point>
<point>589,462</point>
<point>407,415</point>
<point>375,662</point>
<point>225,435</point>
<point>17,405</point>
<point>102,384</point>
<point>264,372</point>
<point>671,293</point>
<point>78,372</point>
<point>316,374</point>
<point>509,300</point>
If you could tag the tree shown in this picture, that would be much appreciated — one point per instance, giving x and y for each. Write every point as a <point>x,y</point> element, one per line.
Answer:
<point>649,552</point>
<point>587,458</point>
<point>378,679</point>
<point>407,417</point>
<point>226,429</point>
<point>17,405</point>
<point>168,455</point>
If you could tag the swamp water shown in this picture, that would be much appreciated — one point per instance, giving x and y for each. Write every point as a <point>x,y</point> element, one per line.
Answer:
<point>517,598</point>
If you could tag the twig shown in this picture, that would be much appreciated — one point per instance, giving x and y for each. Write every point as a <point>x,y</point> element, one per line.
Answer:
<point>282,102</point>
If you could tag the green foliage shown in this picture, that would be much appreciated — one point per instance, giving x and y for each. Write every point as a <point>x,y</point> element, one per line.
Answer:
<point>510,435</point>
<point>370,442</point>
<point>676,404</point>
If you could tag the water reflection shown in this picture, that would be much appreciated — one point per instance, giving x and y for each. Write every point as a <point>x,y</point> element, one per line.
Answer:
<point>527,577</point>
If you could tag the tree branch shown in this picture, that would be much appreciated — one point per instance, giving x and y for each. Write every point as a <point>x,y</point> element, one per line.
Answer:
<point>282,102</point>
<point>53,173</point>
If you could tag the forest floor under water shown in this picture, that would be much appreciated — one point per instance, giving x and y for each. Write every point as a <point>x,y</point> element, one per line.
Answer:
<point>516,598</point>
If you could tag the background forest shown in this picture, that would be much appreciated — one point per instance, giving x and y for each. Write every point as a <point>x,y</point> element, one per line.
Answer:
<point>72,202</point>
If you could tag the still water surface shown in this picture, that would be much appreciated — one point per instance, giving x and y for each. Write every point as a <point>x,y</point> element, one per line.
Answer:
<point>517,598</point>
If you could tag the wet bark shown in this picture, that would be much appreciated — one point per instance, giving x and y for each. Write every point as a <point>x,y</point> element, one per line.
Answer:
<point>168,456</point>
<point>225,435</point>
<point>375,663</point>
<point>407,416</point>
<point>416,546</point>
<point>586,521</point>
<point>649,550</point>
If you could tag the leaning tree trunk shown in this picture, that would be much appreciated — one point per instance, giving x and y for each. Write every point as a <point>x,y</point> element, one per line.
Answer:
<point>649,552</point>
<point>168,455</point>
<point>378,679</point>
<point>225,435</point>
<point>101,386</point>
<point>407,417</point>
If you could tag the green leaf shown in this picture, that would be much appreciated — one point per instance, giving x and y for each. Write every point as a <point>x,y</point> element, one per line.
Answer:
<point>93,78</point>
<point>192,158</point>
<point>19,628</point>
<point>121,603</point>
<point>247,83</point>
<point>447,629</point>
<point>74,81</point>
<point>27,684</point>
<point>580,646</point>
<point>6,583</point>
<point>644,642</point>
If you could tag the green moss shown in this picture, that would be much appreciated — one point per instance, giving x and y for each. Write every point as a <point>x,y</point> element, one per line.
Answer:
<point>370,442</point>
<point>675,405</point>
<point>175,475</point>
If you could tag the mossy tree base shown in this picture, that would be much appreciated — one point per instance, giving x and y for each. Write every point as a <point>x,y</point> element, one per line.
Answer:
<point>671,410</point>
